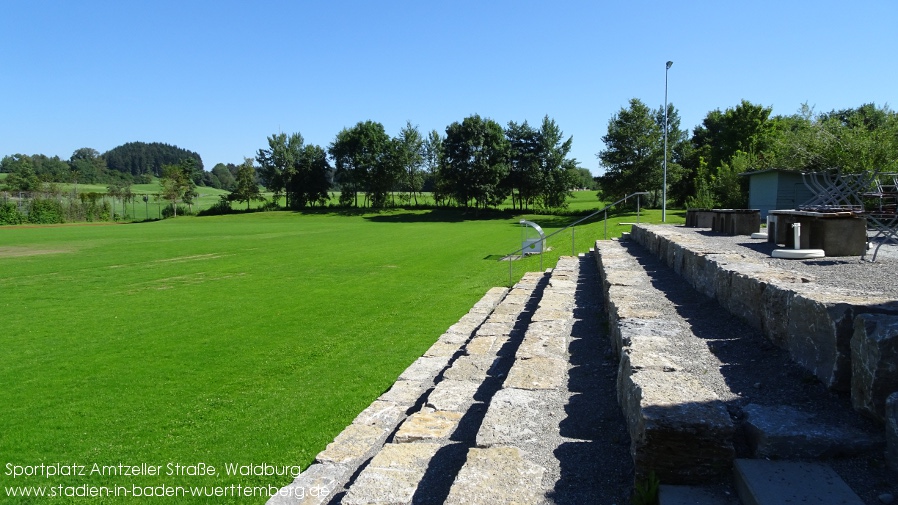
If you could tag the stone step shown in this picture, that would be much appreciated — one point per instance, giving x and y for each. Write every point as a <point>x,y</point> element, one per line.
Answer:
<point>366,436</point>
<point>763,482</point>
<point>428,448</point>
<point>553,433</point>
<point>523,417</point>
<point>669,383</point>
<point>777,408</point>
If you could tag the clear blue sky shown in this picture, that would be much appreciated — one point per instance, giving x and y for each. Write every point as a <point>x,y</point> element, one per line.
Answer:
<point>218,77</point>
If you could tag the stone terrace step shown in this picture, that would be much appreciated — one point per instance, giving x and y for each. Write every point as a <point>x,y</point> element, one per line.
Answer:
<point>428,448</point>
<point>506,466</point>
<point>679,426</point>
<point>385,453</point>
<point>777,408</point>
<point>360,441</point>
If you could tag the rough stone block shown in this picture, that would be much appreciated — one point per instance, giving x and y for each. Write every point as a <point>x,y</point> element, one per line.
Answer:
<point>428,424</point>
<point>491,328</point>
<point>354,444</point>
<point>385,415</point>
<point>783,432</point>
<point>892,432</point>
<point>486,345</point>
<point>874,362</point>
<point>392,476</point>
<point>814,339</point>
<point>315,486</point>
<point>540,346</point>
<point>442,348</point>
<point>470,368</point>
<point>405,393</point>
<point>455,395</point>
<point>497,475</point>
<point>537,373</point>
<point>762,482</point>
<point>678,428</point>
<point>512,418</point>
<point>425,368</point>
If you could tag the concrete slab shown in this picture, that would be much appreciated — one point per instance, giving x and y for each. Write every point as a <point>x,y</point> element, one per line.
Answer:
<point>763,482</point>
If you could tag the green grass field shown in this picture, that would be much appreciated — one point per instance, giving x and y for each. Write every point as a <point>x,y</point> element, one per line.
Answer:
<point>240,339</point>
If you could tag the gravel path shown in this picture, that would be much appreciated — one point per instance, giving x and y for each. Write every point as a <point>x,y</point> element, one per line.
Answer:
<point>849,272</point>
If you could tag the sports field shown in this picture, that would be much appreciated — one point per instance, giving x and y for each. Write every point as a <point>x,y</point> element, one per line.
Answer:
<point>231,340</point>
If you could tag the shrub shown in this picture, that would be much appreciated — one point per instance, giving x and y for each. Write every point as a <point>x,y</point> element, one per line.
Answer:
<point>9,214</point>
<point>46,211</point>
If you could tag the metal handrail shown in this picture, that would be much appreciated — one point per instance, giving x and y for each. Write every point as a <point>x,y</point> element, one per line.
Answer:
<point>575,223</point>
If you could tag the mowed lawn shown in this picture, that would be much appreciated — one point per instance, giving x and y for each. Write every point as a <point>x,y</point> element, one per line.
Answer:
<point>242,339</point>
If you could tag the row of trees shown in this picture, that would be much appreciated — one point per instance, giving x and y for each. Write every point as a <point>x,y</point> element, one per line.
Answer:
<point>476,164</point>
<point>703,170</point>
<point>134,162</point>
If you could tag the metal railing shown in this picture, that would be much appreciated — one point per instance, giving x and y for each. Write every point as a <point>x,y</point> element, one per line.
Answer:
<point>509,257</point>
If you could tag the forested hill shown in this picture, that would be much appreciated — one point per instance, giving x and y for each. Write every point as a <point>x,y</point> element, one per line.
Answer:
<point>137,158</point>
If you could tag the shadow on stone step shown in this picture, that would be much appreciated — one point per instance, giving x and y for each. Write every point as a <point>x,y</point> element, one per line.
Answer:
<point>448,461</point>
<point>754,370</point>
<point>596,468</point>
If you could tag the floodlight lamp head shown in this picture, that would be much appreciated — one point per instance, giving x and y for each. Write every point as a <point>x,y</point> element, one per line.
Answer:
<point>669,64</point>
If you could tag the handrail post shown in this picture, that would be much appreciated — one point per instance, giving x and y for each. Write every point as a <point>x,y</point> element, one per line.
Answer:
<point>606,224</point>
<point>573,248</point>
<point>637,209</point>
<point>509,269</point>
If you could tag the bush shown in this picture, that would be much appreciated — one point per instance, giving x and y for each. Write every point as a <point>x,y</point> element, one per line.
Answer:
<point>223,206</point>
<point>169,211</point>
<point>9,214</point>
<point>46,212</point>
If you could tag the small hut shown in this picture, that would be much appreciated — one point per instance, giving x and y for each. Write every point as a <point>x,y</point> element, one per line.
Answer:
<point>776,188</point>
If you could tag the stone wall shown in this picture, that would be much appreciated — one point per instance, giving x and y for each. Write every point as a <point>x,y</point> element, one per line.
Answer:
<point>815,323</point>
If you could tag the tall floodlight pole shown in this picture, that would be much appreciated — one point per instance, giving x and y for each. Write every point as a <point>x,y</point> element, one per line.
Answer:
<point>664,188</point>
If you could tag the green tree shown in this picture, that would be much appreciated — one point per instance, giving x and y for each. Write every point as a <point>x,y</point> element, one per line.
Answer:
<point>524,176</point>
<point>475,162</point>
<point>556,169</point>
<point>87,166</point>
<point>433,152</point>
<point>247,188</point>
<point>225,175</point>
<point>310,180</point>
<point>177,184</point>
<point>410,158</point>
<point>22,175</point>
<point>277,164</point>
<point>633,153</point>
<point>364,160</point>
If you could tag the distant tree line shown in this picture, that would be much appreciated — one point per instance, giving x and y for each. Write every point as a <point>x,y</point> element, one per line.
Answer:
<point>134,162</point>
<point>703,170</point>
<point>476,164</point>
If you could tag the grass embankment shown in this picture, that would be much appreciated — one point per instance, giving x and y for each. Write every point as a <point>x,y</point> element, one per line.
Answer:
<point>241,339</point>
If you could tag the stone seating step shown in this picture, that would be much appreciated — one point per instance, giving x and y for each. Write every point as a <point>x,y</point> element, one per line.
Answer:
<point>763,482</point>
<point>518,433</point>
<point>389,448</point>
<point>405,474</point>
<point>669,383</point>
<point>775,408</point>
